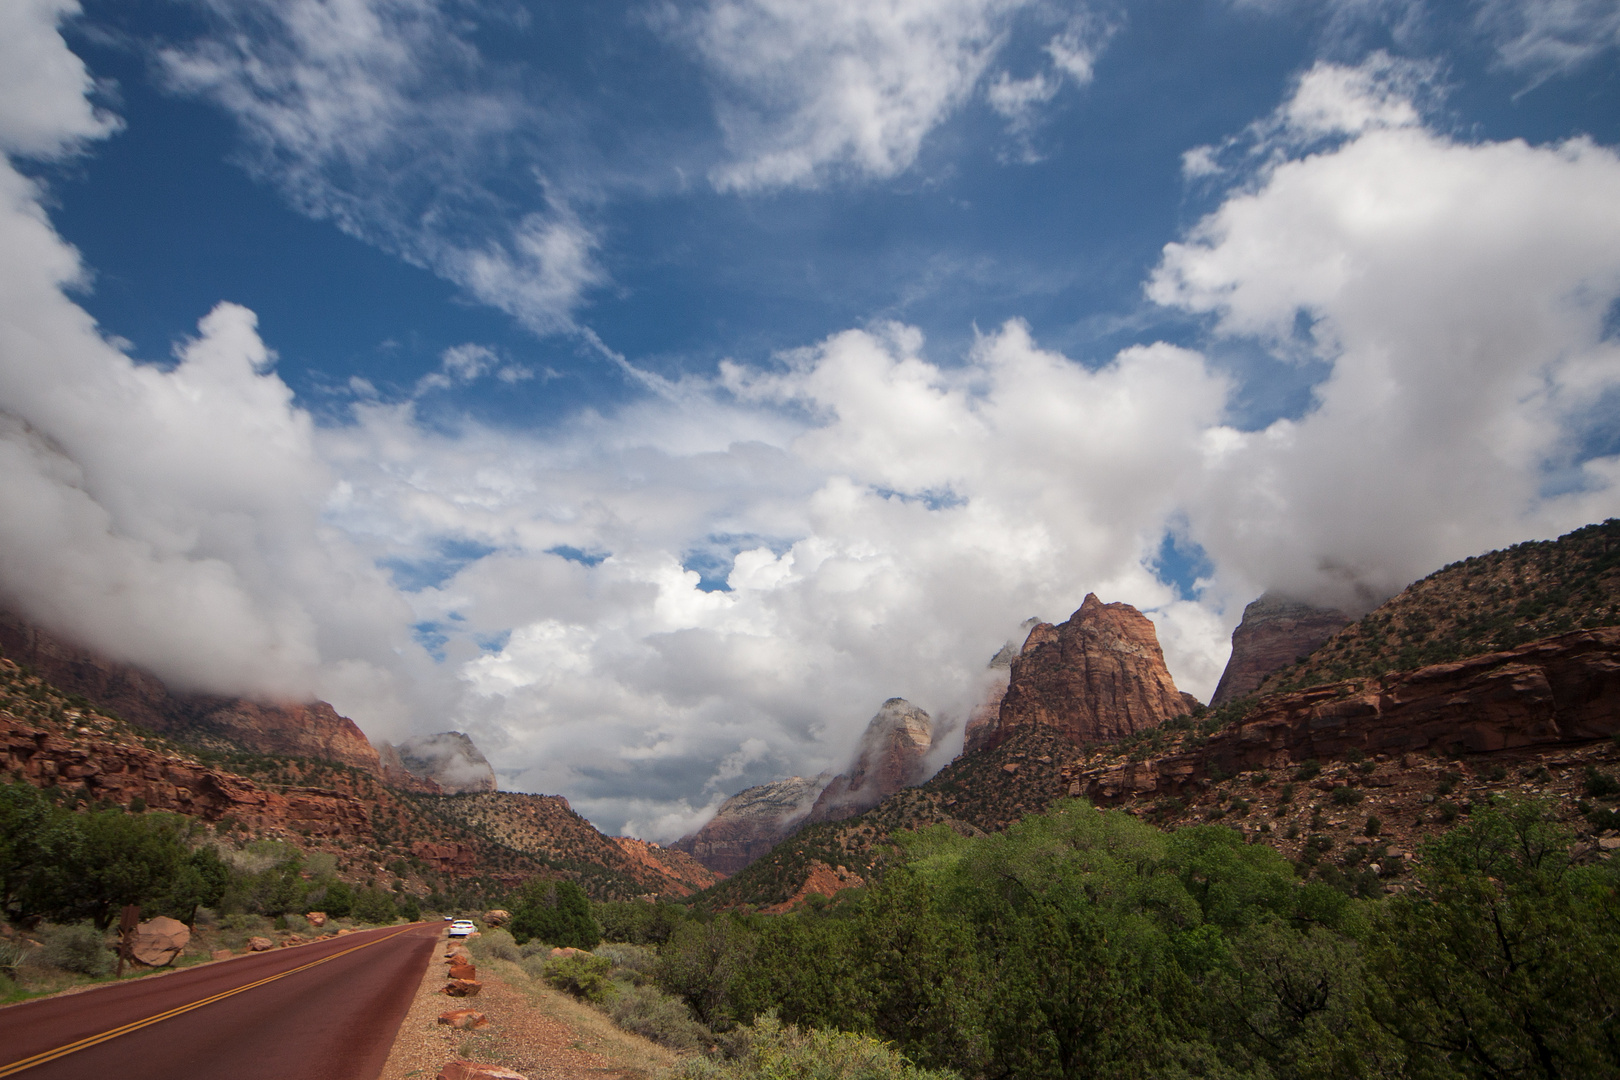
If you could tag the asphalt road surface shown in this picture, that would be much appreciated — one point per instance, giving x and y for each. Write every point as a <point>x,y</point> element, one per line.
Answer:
<point>330,1009</point>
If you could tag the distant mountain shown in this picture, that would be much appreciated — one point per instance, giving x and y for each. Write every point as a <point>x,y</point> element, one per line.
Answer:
<point>449,760</point>
<point>263,771</point>
<point>892,755</point>
<point>751,822</point>
<point>1276,631</point>
<point>1483,604</point>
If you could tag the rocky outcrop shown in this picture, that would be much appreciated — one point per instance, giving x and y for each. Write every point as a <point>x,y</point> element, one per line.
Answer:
<point>1275,632</point>
<point>1560,690</point>
<point>449,761</point>
<point>687,874</point>
<point>309,729</point>
<point>892,755</point>
<point>1098,676</point>
<point>446,857</point>
<point>751,822</point>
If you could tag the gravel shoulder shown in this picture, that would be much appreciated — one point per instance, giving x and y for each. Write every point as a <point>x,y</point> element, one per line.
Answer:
<point>534,1030</point>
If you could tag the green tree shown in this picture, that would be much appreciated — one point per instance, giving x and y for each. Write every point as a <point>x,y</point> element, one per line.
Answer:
<point>203,881</point>
<point>30,830</point>
<point>339,899</point>
<point>1507,964</point>
<point>701,961</point>
<point>374,906</point>
<point>409,908</point>
<point>111,859</point>
<point>556,912</point>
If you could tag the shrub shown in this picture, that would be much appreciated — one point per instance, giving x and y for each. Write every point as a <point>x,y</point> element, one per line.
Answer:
<point>655,1015</point>
<point>1374,825</point>
<point>1347,796</point>
<point>79,947</point>
<point>772,1050</point>
<point>1308,771</point>
<point>555,911</point>
<point>1600,785</point>
<point>588,977</point>
<point>373,906</point>
<point>637,959</point>
<point>496,945</point>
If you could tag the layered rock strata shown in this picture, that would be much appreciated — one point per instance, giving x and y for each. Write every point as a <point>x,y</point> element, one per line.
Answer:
<point>892,755</point>
<point>311,729</point>
<point>1098,676</point>
<point>1275,632</point>
<point>1559,690</point>
<point>751,822</point>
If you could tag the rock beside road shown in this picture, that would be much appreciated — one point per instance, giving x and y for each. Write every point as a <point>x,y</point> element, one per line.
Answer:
<point>463,987</point>
<point>260,944</point>
<point>464,1019</point>
<point>156,942</point>
<point>473,1070</point>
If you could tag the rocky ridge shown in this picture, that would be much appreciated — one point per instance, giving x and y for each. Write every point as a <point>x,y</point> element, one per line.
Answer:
<point>204,721</point>
<point>1276,631</point>
<point>64,744</point>
<point>448,760</point>
<point>1483,604</point>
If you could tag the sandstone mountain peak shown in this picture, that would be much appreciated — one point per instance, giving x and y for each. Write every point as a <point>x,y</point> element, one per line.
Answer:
<point>448,759</point>
<point>1100,675</point>
<point>751,822</point>
<point>1276,631</point>
<point>892,755</point>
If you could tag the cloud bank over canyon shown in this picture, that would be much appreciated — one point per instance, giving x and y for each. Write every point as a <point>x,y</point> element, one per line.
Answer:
<point>650,606</point>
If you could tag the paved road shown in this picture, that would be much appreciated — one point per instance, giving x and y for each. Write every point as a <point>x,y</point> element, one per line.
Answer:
<point>329,1009</point>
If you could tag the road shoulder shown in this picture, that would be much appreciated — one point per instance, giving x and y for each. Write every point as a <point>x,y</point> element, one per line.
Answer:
<point>533,1029</point>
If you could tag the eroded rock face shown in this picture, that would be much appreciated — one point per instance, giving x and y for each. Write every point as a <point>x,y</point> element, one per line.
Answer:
<point>1275,631</point>
<point>1563,689</point>
<point>310,729</point>
<point>892,755</point>
<point>1098,676</point>
<point>449,760</point>
<point>986,716</point>
<point>751,822</point>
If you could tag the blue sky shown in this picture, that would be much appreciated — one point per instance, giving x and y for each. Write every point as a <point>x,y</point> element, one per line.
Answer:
<point>652,389</point>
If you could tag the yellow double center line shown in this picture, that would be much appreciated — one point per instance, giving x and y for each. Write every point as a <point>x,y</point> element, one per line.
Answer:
<point>93,1040</point>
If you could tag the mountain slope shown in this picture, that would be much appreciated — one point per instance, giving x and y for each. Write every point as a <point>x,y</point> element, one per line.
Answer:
<point>1482,604</point>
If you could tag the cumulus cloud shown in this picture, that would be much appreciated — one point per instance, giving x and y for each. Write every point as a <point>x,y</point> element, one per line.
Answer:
<point>44,89</point>
<point>811,91</point>
<point>380,116</point>
<point>1459,292</point>
<point>714,585</point>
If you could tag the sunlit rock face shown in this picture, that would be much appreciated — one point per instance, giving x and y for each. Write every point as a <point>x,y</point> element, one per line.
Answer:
<point>448,759</point>
<point>1098,676</point>
<point>751,822</point>
<point>1276,630</point>
<point>892,755</point>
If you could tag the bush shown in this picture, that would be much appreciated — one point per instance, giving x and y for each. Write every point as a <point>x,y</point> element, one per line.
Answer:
<point>655,1015</point>
<point>1347,796</point>
<point>80,948</point>
<point>773,1050</point>
<point>636,959</point>
<point>588,977</point>
<point>496,945</point>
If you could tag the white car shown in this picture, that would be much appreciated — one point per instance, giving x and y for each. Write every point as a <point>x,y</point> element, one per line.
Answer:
<point>462,928</point>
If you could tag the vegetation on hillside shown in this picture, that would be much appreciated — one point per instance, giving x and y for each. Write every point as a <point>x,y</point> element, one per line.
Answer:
<point>1482,604</point>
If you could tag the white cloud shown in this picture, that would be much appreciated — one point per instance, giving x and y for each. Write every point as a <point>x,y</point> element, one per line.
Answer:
<point>378,115</point>
<point>813,90</point>
<point>1548,37</point>
<point>44,107</point>
<point>1458,291</point>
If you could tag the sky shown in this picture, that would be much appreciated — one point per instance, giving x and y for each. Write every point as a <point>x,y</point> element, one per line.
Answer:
<point>651,389</point>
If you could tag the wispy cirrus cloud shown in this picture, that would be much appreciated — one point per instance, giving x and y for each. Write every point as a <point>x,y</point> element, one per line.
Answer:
<point>382,117</point>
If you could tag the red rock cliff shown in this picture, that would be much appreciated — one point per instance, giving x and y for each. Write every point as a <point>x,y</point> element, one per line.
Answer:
<point>1563,689</point>
<point>310,729</point>
<point>750,823</point>
<point>1098,676</point>
<point>1275,632</point>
